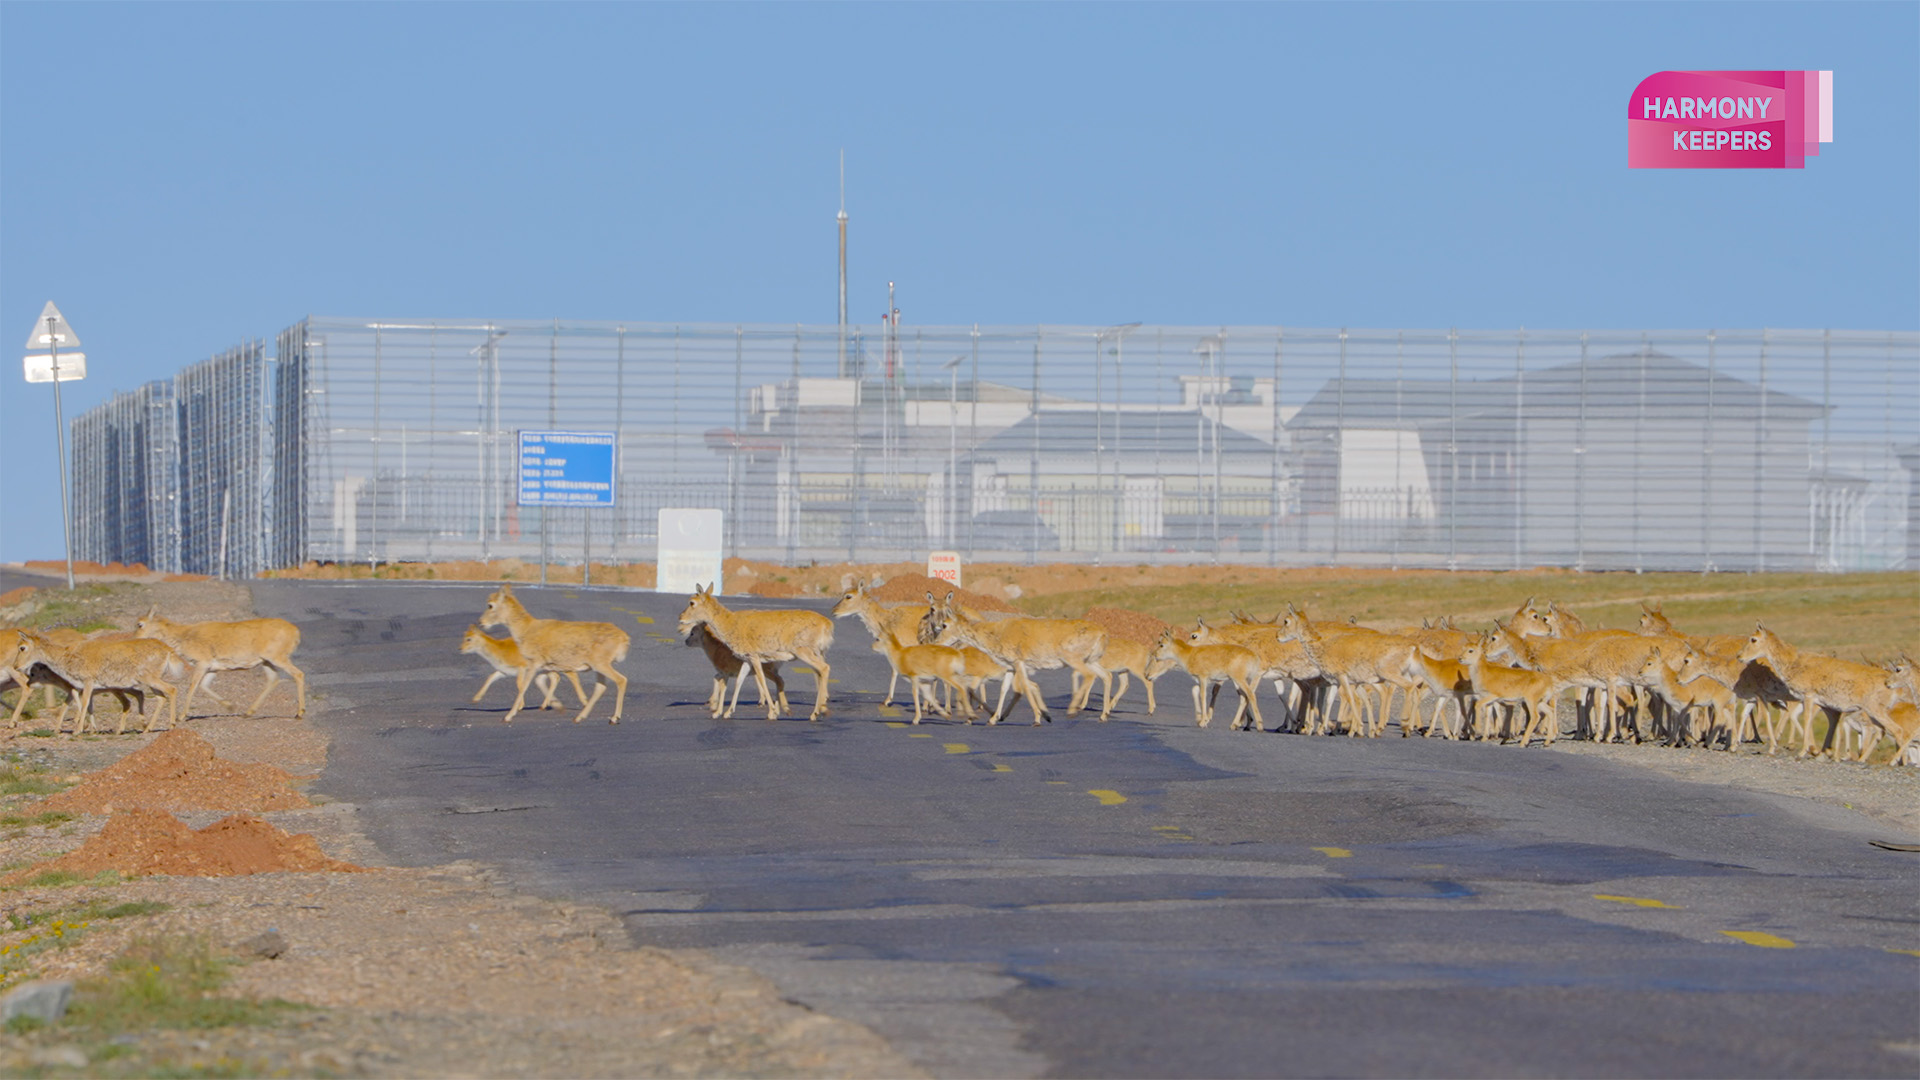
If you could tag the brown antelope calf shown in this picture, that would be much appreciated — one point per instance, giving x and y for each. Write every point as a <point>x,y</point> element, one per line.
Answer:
<point>1211,666</point>
<point>1534,691</point>
<point>1903,717</point>
<point>1834,686</point>
<point>139,667</point>
<point>505,656</point>
<point>760,637</point>
<point>1720,708</point>
<point>1446,680</point>
<point>924,665</point>
<point>26,679</point>
<point>1021,644</point>
<point>1604,662</point>
<point>559,645</point>
<point>231,646</point>
<point>727,664</point>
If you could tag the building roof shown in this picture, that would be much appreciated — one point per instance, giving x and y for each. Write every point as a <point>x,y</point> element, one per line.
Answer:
<point>1081,431</point>
<point>1643,383</point>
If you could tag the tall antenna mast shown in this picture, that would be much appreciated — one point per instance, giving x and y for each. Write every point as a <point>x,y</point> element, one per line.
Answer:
<point>843,263</point>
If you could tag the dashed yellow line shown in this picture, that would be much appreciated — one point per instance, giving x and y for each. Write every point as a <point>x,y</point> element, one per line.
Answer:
<point>895,723</point>
<point>1335,852</point>
<point>1002,768</point>
<point>890,710</point>
<point>1906,952</point>
<point>920,735</point>
<point>1636,901</point>
<point>646,620</point>
<point>1107,796</point>
<point>1755,937</point>
<point>957,748</point>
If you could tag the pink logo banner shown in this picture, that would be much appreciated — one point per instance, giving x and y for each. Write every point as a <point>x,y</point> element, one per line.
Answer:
<point>1729,119</point>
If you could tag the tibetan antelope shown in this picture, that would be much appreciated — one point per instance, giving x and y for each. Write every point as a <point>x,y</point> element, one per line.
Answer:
<point>900,622</point>
<point>559,645</point>
<point>727,664</point>
<point>1356,658</point>
<point>1021,644</point>
<point>1655,624</point>
<point>1296,679</point>
<point>1447,681</point>
<point>760,637</point>
<point>139,667</point>
<point>1211,666</point>
<point>231,646</point>
<point>1125,657</point>
<point>1836,687</point>
<point>924,665</point>
<point>1719,706</point>
<point>1757,687</point>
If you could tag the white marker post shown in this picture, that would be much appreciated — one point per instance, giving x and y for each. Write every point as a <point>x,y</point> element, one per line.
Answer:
<point>50,332</point>
<point>690,554</point>
<point>945,566</point>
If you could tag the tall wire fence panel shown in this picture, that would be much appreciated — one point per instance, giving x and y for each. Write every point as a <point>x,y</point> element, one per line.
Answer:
<point>1670,450</point>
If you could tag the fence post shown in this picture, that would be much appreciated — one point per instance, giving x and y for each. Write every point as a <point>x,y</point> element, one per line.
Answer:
<point>1453,447</point>
<point>1706,461</point>
<point>1033,459</point>
<point>1580,467</point>
<point>1273,497</point>
<point>1514,471</point>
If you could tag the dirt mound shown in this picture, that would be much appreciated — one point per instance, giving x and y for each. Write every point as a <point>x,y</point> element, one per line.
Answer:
<point>141,842</point>
<point>910,587</point>
<point>15,596</point>
<point>1124,623</point>
<point>178,771</point>
<point>776,590</point>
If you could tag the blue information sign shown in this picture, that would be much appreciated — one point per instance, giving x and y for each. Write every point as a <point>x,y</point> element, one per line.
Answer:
<point>566,468</point>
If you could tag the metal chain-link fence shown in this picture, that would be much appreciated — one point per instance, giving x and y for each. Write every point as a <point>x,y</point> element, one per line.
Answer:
<point>1710,450</point>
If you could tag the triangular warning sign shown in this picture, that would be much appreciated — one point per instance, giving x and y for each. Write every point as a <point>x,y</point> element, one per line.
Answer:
<point>58,335</point>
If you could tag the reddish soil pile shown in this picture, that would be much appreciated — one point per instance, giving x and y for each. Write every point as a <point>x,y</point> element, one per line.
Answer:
<point>178,771</point>
<point>908,588</point>
<point>1123,623</point>
<point>14,596</point>
<point>141,842</point>
<point>777,590</point>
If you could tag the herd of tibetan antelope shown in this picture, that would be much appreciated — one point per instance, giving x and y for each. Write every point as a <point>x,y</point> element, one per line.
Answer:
<point>1654,683</point>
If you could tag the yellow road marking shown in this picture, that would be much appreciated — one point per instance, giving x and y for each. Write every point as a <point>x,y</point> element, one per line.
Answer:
<point>895,723</point>
<point>1755,937</point>
<point>1003,768</point>
<point>1107,797</point>
<point>889,710</point>
<point>643,618</point>
<point>1166,828</point>
<point>1906,952</point>
<point>1335,852</point>
<point>1636,901</point>
<point>1060,782</point>
<point>919,735</point>
<point>957,748</point>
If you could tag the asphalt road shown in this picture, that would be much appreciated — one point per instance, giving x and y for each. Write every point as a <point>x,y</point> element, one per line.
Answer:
<point>1136,898</point>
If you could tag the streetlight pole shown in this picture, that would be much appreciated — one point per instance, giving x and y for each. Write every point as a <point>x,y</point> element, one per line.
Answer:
<point>1119,336</point>
<point>60,445</point>
<point>51,331</point>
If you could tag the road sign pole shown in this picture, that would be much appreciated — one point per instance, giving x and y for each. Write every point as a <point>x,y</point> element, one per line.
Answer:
<point>60,447</point>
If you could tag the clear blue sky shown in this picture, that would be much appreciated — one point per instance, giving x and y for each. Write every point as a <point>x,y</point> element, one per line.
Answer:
<point>179,177</point>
